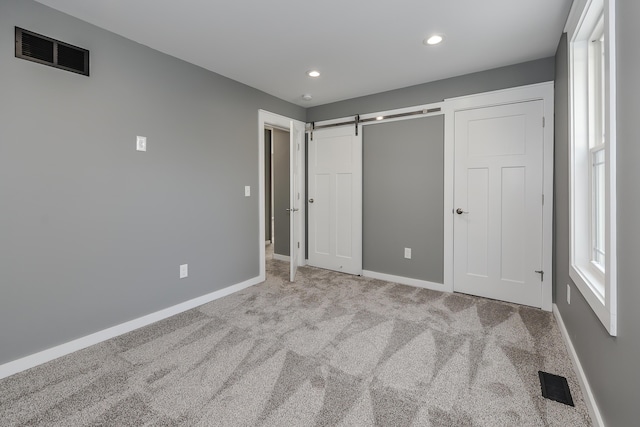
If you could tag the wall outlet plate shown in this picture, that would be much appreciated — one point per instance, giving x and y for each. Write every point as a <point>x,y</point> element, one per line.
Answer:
<point>568,294</point>
<point>141,143</point>
<point>407,253</point>
<point>184,271</point>
<point>247,190</point>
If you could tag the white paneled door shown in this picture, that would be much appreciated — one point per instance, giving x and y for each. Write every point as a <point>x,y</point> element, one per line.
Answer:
<point>498,195</point>
<point>296,135</point>
<point>335,199</point>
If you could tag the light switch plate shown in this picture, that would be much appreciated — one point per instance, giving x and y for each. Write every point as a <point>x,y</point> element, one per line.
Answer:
<point>184,271</point>
<point>247,190</point>
<point>568,294</point>
<point>141,143</point>
<point>407,253</point>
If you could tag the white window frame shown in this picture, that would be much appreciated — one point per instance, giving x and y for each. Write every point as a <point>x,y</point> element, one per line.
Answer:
<point>597,286</point>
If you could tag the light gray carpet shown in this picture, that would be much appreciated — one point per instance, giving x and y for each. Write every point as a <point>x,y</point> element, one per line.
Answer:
<point>329,350</point>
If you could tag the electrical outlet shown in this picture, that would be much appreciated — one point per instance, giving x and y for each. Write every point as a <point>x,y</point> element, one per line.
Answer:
<point>407,253</point>
<point>247,191</point>
<point>141,143</point>
<point>184,271</point>
<point>568,294</point>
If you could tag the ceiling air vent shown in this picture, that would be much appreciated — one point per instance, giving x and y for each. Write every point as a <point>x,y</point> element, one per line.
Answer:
<point>44,50</point>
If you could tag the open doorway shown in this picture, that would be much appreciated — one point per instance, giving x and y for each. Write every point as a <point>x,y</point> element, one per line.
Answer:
<point>277,193</point>
<point>295,210</point>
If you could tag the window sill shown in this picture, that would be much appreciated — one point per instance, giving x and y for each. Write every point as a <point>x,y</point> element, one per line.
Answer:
<point>592,286</point>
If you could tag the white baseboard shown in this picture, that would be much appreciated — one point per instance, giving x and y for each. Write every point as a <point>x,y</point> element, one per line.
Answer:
<point>279,257</point>
<point>44,356</point>
<point>594,412</point>
<point>405,281</point>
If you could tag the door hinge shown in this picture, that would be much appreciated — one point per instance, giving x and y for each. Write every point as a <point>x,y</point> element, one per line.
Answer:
<point>298,245</point>
<point>543,121</point>
<point>543,199</point>
<point>541,273</point>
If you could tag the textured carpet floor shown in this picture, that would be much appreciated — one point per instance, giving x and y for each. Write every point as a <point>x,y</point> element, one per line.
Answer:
<point>327,350</point>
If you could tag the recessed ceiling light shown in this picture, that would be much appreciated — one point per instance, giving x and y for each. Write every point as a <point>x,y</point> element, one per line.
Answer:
<point>433,40</point>
<point>307,97</point>
<point>379,118</point>
<point>313,73</point>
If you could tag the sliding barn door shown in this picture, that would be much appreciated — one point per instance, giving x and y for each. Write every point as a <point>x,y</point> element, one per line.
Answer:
<point>335,199</point>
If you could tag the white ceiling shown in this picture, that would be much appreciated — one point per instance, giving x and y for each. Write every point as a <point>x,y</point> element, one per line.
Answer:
<point>360,46</point>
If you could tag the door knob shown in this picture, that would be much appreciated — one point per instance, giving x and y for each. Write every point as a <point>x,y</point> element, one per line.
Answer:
<point>310,200</point>
<point>459,211</point>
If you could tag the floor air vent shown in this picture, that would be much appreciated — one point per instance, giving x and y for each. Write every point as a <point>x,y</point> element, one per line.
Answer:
<point>555,387</point>
<point>45,50</point>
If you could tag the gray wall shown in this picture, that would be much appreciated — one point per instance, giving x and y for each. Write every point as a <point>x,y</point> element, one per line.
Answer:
<point>403,198</point>
<point>92,232</point>
<point>281,163</point>
<point>522,74</point>
<point>610,363</point>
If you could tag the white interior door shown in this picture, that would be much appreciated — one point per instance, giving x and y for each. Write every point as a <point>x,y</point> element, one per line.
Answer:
<point>498,196</point>
<point>296,135</point>
<point>335,199</point>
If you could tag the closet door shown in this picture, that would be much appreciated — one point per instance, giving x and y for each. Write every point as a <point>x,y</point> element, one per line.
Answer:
<point>335,199</point>
<point>498,211</point>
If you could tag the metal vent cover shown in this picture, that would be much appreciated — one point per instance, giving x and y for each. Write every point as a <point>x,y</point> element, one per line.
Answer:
<point>54,53</point>
<point>555,387</point>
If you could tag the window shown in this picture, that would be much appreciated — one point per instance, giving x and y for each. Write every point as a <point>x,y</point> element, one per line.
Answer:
<point>597,141</point>
<point>591,36</point>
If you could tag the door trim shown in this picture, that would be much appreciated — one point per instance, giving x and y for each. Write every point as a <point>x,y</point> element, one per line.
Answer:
<point>266,118</point>
<point>541,91</point>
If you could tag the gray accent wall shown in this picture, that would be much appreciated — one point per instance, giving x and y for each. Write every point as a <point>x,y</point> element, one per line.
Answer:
<point>92,232</point>
<point>526,73</point>
<point>610,363</point>
<point>403,198</point>
<point>281,189</point>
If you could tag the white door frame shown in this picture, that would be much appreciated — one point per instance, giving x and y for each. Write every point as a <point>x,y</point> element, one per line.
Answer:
<point>541,91</point>
<point>266,118</point>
